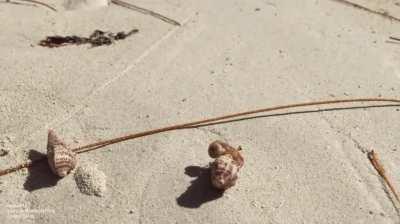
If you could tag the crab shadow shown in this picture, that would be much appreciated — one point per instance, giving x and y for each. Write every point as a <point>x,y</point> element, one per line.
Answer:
<point>200,191</point>
<point>39,175</point>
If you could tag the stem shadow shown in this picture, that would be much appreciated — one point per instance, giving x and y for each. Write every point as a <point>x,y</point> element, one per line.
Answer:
<point>39,176</point>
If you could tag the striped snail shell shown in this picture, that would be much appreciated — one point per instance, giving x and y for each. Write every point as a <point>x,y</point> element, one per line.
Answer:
<point>226,166</point>
<point>61,159</point>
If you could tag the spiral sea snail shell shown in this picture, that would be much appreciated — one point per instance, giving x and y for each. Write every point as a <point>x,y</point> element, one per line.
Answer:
<point>225,167</point>
<point>61,159</point>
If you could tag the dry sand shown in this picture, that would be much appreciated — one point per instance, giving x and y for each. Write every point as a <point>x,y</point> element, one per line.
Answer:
<point>227,56</point>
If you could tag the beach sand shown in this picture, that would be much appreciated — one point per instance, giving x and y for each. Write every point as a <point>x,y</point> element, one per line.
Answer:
<point>228,56</point>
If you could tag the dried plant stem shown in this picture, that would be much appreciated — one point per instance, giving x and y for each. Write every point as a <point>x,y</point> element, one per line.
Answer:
<point>373,158</point>
<point>394,38</point>
<point>39,3</point>
<point>145,11</point>
<point>22,166</point>
<point>101,144</point>
<point>185,125</point>
<point>383,14</point>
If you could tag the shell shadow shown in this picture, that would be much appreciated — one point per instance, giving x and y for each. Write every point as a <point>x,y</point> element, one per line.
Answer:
<point>40,175</point>
<point>200,191</point>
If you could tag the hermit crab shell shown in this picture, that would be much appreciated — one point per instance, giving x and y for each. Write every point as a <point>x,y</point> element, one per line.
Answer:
<point>225,168</point>
<point>216,149</point>
<point>61,159</point>
<point>224,172</point>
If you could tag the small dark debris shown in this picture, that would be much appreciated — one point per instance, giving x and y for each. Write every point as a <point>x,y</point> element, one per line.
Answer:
<point>371,212</point>
<point>130,211</point>
<point>257,9</point>
<point>394,38</point>
<point>97,38</point>
<point>3,152</point>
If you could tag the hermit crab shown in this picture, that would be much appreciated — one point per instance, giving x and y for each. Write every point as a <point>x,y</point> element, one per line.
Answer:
<point>225,167</point>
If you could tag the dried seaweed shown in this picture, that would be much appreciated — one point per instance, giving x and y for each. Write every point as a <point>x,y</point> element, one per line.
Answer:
<point>97,38</point>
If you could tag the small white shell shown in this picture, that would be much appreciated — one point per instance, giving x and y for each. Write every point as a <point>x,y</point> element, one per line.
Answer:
<point>60,158</point>
<point>225,168</point>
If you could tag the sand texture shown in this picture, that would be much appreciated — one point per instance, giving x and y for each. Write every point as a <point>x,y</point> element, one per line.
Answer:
<point>90,180</point>
<point>228,56</point>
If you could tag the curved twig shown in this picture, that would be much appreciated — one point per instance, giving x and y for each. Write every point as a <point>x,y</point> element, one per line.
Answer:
<point>100,144</point>
<point>145,11</point>
<point>86,148</point>
<point>40,3</point>
<point>373,158</point>
<point>358,6</point>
